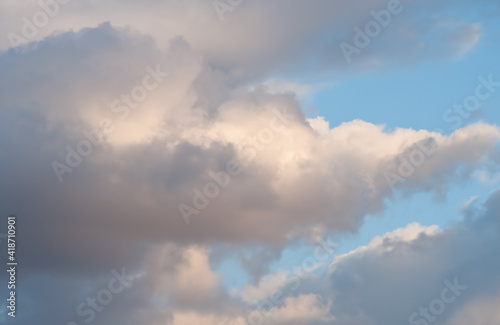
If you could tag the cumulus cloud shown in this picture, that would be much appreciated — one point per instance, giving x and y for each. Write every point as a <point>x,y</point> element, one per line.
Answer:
<point>395,275</point>
<point>119,121</point>
<point>265,288</point>
<point>169,146</point>
<point>300,310</point>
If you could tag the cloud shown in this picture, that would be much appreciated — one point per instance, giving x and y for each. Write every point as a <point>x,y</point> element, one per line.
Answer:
<point>185,274</point>
<point>133,184</point>
<point>483,311</point>
<point>210,319</point>
<point>309,32</point>
<point>222,95</point>
<point>265,288</point>
<point>395,275</point>
<point>301,310</point>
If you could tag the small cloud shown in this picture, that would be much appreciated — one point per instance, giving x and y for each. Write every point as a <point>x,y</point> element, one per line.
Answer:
<point>469,203</point>
<point>486,177</point>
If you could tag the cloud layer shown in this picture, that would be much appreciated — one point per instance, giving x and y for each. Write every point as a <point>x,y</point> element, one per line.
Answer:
<point>140,139</point>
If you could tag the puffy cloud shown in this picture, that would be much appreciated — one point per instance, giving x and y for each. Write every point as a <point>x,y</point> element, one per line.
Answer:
<point>396,275</point>
<point>178,107</point>
<point>184,274</point>
<point>171,146</point>
<point>302,309</point>
<point>265,288</point>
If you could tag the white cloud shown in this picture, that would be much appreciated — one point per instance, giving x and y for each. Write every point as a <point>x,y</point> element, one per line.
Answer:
<point>189,318</point>
<point>264,289</point>
<point>302,309</point>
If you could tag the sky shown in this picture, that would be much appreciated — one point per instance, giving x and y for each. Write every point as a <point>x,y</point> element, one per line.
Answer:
<point>245,162</point>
